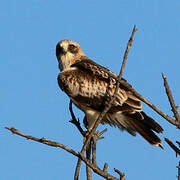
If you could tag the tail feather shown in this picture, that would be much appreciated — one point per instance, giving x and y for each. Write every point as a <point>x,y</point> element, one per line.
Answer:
<point>136,122</point>
<point>145,128</point>
<point>119,120</point>
<point>151,123</point>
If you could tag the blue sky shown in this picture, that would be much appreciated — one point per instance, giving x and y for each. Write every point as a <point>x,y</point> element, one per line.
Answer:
<point>32,102</point>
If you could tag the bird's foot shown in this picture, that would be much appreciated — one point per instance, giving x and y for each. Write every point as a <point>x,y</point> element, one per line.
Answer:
<point>97,135</point>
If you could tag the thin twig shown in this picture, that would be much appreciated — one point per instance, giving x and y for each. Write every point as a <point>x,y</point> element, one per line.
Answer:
<point>43,141</point>
<point>99,135</point>
<point>171,101</point>
<point>94,150</point>
<point>102,114</point>
<point>122,175</point>
<point>74,120</point>
<point>77,170</point>
<point>96,169</point>
<point>105,167</point>
<point>178,171</point>
<point>88,157</point>
<point>174,147</point>
<point>178,143</point>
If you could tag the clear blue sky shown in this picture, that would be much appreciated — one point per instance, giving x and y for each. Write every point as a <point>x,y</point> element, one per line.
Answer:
<point>31,101</point>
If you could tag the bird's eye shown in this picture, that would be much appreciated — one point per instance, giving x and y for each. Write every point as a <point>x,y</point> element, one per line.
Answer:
<point>72,48</point>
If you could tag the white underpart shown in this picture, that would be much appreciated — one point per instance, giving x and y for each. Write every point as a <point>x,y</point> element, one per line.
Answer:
<point>70,69</point>
<point>73,87</point>
<point>120,118</point>
<point>91,116</point>
<point>116,118</point>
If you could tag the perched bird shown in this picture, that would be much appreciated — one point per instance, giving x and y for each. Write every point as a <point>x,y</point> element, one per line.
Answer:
<point>90,87</point>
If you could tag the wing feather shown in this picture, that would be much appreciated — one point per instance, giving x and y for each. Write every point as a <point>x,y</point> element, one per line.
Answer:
<point>102,74</point>
<point>87,90</point>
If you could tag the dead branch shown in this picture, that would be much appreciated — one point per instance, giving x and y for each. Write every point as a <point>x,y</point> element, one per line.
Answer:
<point>176,150</point>
<point>178,143</point>
<point>130,88</point>
<point>156,109</point>
<point>105,167</point>
<point>172,103</point>
<point>178,171</point>
<point>74,120</point>
<point>174,147</point>
<point>88,157</point>
<point>102,114</point>
<point>122,175</point>
<point>43,141</point>
<point>95,168</point>
<point>94,150</point>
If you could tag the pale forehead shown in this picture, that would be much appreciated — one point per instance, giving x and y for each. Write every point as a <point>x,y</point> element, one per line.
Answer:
<point>67,42</point>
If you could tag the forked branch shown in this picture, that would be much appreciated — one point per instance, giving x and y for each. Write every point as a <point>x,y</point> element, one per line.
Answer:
<point>172,103</point>
<point>173,146</point>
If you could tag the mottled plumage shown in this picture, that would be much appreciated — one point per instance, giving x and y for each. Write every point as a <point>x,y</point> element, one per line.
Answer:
<point>90,87</point>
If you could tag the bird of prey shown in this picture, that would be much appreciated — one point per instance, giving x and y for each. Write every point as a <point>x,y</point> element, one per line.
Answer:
<point>90,87</point>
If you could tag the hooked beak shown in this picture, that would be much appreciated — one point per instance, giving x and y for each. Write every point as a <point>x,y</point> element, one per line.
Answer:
<point>61,49</point>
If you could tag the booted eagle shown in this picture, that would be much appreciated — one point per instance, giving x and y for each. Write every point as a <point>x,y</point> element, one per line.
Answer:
<point>90,87</point>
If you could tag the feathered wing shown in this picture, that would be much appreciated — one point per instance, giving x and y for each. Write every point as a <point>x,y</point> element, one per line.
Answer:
<point>90,87</point>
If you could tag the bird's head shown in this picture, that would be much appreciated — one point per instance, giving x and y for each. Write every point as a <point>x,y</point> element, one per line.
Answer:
<point>67,53</point>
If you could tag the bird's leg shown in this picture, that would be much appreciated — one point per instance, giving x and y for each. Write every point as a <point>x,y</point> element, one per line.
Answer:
<point>97,134</point>
<point>86,125</point>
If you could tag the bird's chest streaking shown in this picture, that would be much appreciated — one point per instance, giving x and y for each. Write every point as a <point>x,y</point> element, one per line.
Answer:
<point>88,91</point>
<point>84,90</point>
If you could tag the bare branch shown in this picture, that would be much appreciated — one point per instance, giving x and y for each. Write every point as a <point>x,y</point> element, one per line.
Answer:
<point>122,175</point>
<point>178,143</point>
<point>130,88</point>
<point>96,169</point>
<point>105,167</point>
<point>43,141</point>
<point>175,148</point>
<point>88,157</point>
<point>106,109</point>
<point>94,150</point>
<point>99,135</point>
<point>78,166</point>
<point>172,103</point>
<point>178,171</point>
<point>74,120</point>
<point>126,54</point>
